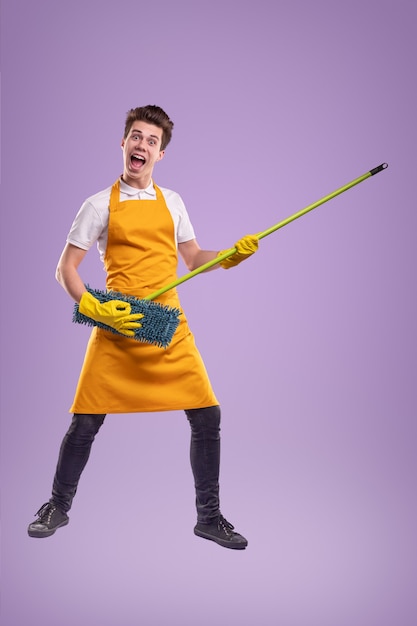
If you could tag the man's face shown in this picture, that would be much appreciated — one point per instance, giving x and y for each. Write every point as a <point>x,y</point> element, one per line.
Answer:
<point>141,150</point>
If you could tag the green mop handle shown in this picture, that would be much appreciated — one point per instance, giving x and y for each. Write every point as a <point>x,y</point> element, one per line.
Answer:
<point>267,232</point>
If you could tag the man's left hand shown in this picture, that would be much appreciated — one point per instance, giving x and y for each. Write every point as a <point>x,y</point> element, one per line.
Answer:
<point>245,247</point>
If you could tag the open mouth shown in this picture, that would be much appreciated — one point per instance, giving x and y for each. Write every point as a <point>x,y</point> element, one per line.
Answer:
<point>137,161</point>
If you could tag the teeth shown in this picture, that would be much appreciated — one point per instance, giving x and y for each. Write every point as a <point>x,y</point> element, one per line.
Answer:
<point>140,158</point>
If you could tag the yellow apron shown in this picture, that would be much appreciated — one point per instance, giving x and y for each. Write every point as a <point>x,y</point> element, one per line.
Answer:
<point>122,375</point>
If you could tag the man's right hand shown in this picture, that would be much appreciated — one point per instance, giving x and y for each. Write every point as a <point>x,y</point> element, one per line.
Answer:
<point>114,313</point>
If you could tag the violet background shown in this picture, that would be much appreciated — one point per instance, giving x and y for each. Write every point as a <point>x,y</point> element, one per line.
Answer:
<point>310,345</point>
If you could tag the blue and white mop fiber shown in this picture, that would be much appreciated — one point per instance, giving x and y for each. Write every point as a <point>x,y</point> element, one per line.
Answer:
<point>158,324</point>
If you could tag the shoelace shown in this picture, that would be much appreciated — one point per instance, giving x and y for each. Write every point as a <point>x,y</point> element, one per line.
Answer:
<point>45,513</point>
<point>224,525</point>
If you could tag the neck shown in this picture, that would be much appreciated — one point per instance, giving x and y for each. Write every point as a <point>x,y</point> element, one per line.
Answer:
<point>138,183</point>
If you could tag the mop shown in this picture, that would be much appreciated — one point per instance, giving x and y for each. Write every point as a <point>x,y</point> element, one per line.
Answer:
<point>160,321</point>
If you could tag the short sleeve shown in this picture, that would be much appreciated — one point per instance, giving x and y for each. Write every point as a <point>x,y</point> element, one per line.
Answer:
<point>185,230</point>
<point>87,227</point>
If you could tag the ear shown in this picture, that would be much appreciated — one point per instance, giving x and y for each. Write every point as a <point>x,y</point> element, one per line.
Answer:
<point>161,155</point>
<point>122,144</point>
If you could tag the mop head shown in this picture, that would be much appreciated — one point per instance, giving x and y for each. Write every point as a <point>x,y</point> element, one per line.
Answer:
<point>158,324</point>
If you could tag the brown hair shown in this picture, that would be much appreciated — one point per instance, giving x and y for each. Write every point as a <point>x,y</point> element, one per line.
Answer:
<point>151,114</point>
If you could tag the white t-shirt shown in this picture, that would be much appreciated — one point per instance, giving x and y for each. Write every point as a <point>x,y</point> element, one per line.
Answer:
<point>91,222</point>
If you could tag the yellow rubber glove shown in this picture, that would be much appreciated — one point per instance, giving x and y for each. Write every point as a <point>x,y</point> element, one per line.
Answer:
<point>245,248</point>
<point>114,313</point>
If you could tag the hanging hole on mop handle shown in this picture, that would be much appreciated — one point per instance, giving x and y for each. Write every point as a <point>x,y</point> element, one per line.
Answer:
<point>381,167</point>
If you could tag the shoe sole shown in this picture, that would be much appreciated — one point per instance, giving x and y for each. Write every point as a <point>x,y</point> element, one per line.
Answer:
<point>39,534</point>
<point>221,542</point>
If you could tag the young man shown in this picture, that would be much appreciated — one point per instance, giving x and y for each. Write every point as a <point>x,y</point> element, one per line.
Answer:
<point>139,229</point>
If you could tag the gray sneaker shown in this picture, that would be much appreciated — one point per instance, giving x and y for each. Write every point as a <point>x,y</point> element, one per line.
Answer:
<point>49,520</point>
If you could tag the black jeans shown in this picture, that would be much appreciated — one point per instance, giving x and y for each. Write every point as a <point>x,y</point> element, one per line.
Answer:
<point>205,460</point>
<point>204,456</point>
